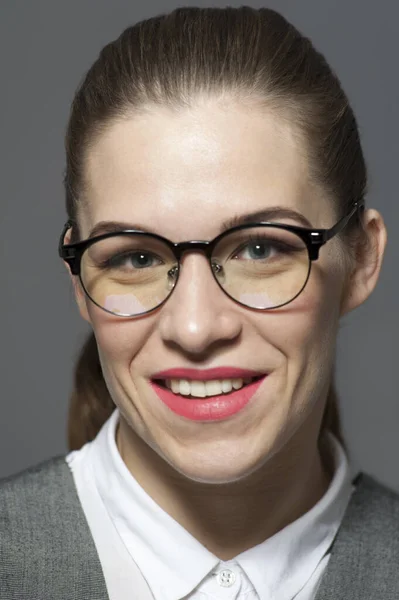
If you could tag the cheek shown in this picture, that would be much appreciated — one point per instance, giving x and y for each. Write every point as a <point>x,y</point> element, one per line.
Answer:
<point>119,340</point>
<point>305,336</point>
<point>305,330</point>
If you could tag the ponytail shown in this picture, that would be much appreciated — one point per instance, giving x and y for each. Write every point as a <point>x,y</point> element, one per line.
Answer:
<point>91,404</point>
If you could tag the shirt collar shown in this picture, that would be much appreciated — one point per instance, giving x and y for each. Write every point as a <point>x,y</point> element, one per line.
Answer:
<point>174,563</point>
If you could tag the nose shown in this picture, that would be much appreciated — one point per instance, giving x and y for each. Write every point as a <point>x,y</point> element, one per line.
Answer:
<point>198,314</point>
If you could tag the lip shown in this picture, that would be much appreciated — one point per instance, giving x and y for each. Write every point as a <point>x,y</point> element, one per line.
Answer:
<point>213,408</point>
<point>207,374</point>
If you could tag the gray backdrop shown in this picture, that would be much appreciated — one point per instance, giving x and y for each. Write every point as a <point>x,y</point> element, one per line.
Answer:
<point>46,46</point>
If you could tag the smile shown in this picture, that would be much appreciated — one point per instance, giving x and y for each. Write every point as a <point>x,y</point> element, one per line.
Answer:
<point>205,389</point>
<point>213,407</point>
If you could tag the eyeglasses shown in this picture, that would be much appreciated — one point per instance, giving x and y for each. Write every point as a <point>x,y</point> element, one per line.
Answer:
<point>261,266</point>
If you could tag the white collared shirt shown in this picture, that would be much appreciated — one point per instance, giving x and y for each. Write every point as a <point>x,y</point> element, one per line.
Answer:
<point>146,555</point>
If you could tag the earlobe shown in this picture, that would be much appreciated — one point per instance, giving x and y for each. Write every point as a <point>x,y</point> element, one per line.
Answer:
<point>369,256</point>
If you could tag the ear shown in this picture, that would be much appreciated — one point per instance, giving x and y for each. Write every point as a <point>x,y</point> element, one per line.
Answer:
<point>80,296</point>
<point>368,260</point>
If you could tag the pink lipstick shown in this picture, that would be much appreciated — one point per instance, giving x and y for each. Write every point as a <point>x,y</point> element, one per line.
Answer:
<point>211,408</point>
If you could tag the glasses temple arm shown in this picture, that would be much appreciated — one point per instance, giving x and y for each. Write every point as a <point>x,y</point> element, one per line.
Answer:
<point>67,226</point>
<point>329,233</point>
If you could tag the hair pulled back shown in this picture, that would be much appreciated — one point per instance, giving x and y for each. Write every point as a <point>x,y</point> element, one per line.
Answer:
<point>171,59</point>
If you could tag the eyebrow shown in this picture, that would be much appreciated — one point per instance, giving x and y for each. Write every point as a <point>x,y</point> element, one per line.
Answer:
<point>271,214</point>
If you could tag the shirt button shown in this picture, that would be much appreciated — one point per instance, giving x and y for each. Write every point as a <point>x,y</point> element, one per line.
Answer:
<point>226,578</point>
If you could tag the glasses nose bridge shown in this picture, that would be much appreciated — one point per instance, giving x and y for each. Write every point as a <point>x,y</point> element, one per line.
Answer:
<point>193,246</point>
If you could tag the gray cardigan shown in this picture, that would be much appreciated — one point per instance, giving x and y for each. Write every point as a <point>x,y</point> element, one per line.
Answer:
<point>47,551</point>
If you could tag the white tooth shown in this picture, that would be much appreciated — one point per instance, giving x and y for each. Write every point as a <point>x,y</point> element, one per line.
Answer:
<point>227,386</point>
<point>202,389</point>
<point>175,384</point>
<point>198,389</point>
<point>213,388</point>
<point>237,384</point>
<point>185,387</point>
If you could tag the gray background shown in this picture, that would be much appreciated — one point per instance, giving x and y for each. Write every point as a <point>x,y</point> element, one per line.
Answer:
<point>45,48</point>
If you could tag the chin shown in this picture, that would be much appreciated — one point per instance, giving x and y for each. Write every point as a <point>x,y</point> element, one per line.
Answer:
<point>226,471</point>
<point>215,477</point>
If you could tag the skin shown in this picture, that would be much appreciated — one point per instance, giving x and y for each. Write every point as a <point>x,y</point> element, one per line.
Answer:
<point>234,483</point>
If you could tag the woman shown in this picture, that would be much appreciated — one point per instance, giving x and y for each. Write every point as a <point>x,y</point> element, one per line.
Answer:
<point>217,233</point>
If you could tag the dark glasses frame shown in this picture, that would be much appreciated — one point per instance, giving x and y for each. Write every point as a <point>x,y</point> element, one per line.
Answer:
<point>314,239</point>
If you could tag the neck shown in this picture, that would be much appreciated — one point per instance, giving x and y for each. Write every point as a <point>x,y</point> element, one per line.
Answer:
<point>231,518</point>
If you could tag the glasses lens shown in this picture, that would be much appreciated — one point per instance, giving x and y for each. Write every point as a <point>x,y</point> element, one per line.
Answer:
<point>128,274</point>
<point>262,267</point>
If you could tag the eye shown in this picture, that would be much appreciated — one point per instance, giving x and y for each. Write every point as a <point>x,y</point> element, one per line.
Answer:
<point>257,250</point>
<point>260,247</point>
<point>138,260</point>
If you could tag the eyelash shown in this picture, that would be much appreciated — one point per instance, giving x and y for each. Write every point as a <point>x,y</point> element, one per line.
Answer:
<point>279,246</point>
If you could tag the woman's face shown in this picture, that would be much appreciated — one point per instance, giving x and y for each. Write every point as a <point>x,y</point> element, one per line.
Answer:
<point>182,176</point>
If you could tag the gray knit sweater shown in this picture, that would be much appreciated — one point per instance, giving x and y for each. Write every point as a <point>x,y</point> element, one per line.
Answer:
<point>47,551</point>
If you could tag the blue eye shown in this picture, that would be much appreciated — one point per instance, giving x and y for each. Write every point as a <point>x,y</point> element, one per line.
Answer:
<point>262,247</point>
<point>140,260</point>
<point>259,250</point>
<point>137,260</point>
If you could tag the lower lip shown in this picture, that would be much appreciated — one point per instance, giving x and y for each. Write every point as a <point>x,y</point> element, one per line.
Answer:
<point>208,409</point>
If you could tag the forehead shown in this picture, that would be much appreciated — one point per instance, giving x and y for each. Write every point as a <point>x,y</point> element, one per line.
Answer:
<point>182,174</point>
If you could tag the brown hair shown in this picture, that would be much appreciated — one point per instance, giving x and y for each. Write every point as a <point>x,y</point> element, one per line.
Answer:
<point>169,59</point>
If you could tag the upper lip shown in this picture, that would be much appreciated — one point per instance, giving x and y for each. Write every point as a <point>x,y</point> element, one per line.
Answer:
<point>207,374</point>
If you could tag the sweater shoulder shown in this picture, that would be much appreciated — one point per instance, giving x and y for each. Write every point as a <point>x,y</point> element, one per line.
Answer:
<point>47,482</point>
<point>46,547</point>
<point>365,552</point>
<point>371,496</point>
